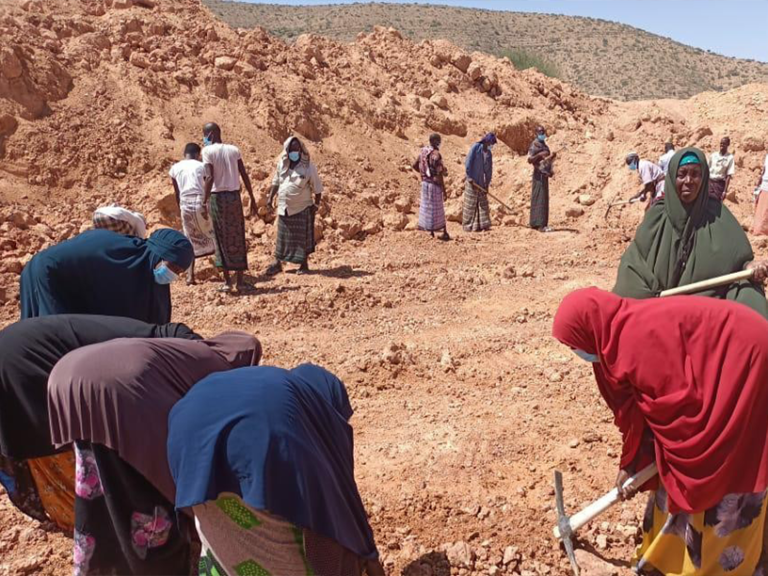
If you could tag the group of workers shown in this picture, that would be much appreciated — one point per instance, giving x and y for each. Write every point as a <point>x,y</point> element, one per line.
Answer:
<point>136,435</point>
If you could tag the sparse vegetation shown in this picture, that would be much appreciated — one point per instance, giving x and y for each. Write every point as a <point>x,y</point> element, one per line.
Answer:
<point>603,50</point>
<point>523,59</point>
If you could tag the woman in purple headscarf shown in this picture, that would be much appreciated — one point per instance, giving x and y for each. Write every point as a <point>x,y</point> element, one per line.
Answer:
<point>479,169</point>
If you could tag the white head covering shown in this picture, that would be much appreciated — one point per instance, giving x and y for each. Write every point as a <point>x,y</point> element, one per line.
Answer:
<point>134,220</point>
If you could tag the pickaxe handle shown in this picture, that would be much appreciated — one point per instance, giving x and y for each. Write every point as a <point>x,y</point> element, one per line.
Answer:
<point>606,501</point>
<point>711,283</point>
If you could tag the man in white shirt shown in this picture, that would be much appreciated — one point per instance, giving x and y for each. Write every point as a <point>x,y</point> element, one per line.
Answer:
<point>223,169</point>
<point>187,177</point>
<point>651,176</point>
<point>669,151</point>
<point>721,169</point>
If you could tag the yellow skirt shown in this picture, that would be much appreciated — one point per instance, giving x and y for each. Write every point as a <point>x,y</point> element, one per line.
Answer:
<point>726,540</point>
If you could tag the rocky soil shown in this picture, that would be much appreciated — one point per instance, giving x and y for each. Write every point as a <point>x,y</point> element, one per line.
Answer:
<point>464,403</point>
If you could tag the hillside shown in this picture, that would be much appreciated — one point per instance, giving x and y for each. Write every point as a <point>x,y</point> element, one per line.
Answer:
<point>599,57</point>
<point>464,404</point>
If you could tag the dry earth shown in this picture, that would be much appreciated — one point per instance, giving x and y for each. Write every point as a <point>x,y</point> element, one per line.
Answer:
<point>464,403</point>
<point>598,56</point>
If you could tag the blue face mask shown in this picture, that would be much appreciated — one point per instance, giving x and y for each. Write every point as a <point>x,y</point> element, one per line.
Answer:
<point>294,156</point>
<point>206,141</point>
<point>164,275</point>
<point>541,137</point>
<point>633,166</point>
<point>587,357</point>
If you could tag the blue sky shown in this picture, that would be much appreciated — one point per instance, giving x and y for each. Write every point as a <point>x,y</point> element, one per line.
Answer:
<point>731,27</point>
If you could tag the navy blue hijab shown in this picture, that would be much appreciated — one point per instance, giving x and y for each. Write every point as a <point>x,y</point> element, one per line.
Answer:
<point>278,438</point>
<point>103,272</point>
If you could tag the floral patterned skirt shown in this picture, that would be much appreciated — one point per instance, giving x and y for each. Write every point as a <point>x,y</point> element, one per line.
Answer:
<point>123,525</point>
<point>727,539</point>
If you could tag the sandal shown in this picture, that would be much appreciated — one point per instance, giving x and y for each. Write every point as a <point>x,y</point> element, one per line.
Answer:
<point>444,237</point>
<point>274,269</point>
<point>224,288</point>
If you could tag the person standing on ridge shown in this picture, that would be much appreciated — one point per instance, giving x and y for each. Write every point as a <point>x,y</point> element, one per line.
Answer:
<point>429,164</point>
<point>541,158</point>
<point>223,169</point>
<point>721,170</point>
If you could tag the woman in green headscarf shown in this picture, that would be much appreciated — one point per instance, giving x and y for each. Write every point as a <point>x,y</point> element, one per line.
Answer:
<point>687,237</point>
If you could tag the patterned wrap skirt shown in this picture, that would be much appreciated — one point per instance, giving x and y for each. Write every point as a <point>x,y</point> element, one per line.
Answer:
<point>229,230</point>
<point>296,236</point>
<point>198,229</point>
<point>476,215</point>
<point>239,540</point>
<point>760,221</point>
<point>717,189</point>
<point>539,201</point>
<point>726,539</point>
<point>431,207</point>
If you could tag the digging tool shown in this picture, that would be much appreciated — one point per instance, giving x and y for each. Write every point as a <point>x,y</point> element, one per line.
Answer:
<point>568,525</point>
<point>476,185</point>
<point>620,203</point>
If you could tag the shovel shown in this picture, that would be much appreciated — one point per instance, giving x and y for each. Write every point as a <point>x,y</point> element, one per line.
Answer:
<point>620,203</point>
<point>568,525</point>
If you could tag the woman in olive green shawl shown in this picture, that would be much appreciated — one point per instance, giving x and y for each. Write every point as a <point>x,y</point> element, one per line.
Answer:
<point>687,237</point>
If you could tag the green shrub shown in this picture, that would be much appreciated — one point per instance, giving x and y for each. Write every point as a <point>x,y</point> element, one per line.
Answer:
<point>523,60</point>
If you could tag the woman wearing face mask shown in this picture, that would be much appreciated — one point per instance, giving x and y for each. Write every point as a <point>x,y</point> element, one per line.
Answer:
<point>102,272</point>
<point>476,216</point>
<point>298,190</point>
<point>687,237</point>
<point>541,158</point>
<point>699,414</point>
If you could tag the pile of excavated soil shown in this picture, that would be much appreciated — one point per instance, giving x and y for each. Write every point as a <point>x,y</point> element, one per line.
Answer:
<point>464,403</point>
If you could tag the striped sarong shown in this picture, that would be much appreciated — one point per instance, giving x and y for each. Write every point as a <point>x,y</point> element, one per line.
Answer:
<point>229,229</point>
<point>476,215</point>
<point>296,236</point>
<point>432,207</point>
<point>539,201</point>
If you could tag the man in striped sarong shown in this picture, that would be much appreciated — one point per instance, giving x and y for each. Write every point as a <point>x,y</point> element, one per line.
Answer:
<point>432,206</point>
<point>476,216</point>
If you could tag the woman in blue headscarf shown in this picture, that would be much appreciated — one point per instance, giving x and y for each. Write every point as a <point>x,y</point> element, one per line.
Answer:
<point>476,215</point>
<point>264,458</point>
<point>102,272</point>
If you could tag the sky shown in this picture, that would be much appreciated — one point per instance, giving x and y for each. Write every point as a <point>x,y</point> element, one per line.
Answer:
<point>731,27</point>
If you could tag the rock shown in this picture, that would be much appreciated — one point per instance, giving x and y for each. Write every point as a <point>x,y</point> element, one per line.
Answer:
<point>555,377</point>
<point>445,124</point>
<point>592,565</point>
<point>121,4</point>
<point>10,65</point>
<point>460,554</point>
<point>510,555</point>
<point>145,3</point>
<point>21,220</point>
<point>225,62</point>
<point>574,212</point>
<point>392,353</point>
<point>440,101</point>
<point>395,221</point>
<point>403,204</point>
<point>527,272</point>
<point>413,224</point>
<point>474,71</point>
<point>509,272</point>
<point>586,200</point>
<point>461,61</point>
<point>319,232</point>
<point>140,60</point>
<point>349,229</point>
<point>447,362</point>
<point>372,227</point>
<point>753,144</point>
<point>454,210</point>
<point>394,33</point>
<point>702,132</point>
<point>3,294</point>
<point>609,136</point>
<point>602,541</point>
<point>259,228</point>
<point>574,443</point>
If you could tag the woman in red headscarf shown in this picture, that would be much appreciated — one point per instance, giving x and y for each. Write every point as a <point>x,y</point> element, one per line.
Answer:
<point>687,381</point>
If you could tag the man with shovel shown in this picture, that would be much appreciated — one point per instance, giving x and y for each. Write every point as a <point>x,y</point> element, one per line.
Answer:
<point>476,215</point>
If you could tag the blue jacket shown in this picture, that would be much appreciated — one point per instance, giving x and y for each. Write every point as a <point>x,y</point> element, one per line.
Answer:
<point>479,167</point>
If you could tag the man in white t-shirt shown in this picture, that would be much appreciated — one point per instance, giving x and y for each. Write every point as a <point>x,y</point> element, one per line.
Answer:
<point>721,170</point>
<point>669,151</point>
<point>187,178</point>
<point>651,176</point>
<point>223,169</point>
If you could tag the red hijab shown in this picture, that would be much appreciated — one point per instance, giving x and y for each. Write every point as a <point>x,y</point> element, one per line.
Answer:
<point>693,371</point>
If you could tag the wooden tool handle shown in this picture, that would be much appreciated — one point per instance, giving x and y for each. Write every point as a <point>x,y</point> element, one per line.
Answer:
<point>711,283</point>
<point>606,501</point>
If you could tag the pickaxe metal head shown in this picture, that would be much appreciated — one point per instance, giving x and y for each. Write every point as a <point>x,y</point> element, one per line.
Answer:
<point>563,523</point>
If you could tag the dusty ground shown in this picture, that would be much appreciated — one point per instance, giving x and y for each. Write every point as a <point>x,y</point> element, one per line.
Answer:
<point>464,403</point>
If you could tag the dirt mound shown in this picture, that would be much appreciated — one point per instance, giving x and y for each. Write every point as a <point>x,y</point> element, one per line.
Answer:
<point>464,403</point>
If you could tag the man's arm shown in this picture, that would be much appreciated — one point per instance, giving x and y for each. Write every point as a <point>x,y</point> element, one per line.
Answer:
<point>247,182</point>
<point>176,192</point>
<point>415,164</point>
<point>648,188</point>
<point>207,187</point>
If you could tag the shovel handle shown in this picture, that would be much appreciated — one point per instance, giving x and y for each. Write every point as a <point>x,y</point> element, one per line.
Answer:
<point>711,283</point>
<point>606,501</point>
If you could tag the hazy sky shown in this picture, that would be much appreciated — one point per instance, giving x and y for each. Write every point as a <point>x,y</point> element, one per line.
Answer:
<point>731,27</point>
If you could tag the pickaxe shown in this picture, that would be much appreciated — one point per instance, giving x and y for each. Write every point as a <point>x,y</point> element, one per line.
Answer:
<point>568,525</point>
<point>476,185</point>
<point>620,203</point>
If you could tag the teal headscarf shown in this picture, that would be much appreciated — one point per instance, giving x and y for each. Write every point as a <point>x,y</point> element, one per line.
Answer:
<point>678,244</point>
